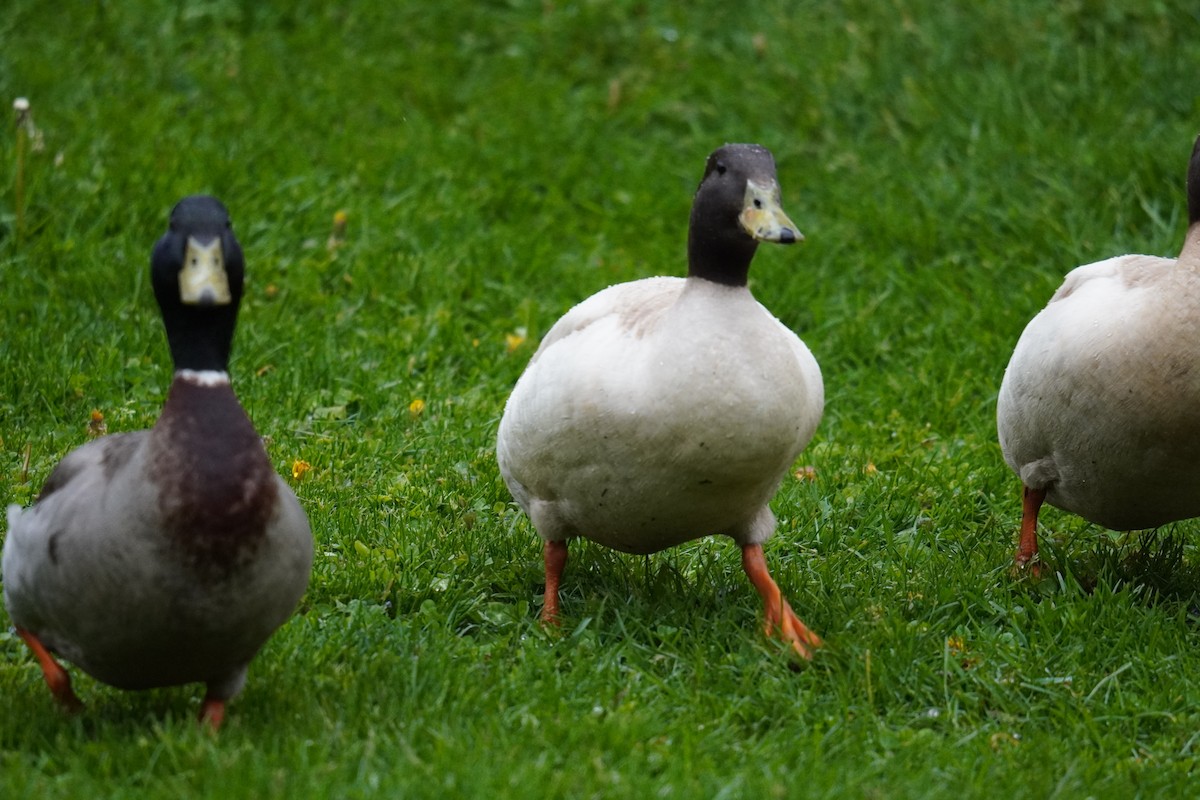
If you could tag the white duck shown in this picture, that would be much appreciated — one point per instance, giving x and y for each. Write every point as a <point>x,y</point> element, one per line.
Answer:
<point>667,409</point>
<point>166,556</point>
<point>1097,412</point>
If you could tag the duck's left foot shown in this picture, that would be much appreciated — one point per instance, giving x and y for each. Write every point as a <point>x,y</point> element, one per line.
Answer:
<point>792,630</point>
<point>555,555</point>
<point>778,613</point>
<point>1026,562</point>
<point>212,713</point>
<point>56,677</point>
<point>1032,568</point>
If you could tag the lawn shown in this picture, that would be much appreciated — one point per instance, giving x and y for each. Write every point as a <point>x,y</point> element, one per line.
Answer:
<point>498,162</point>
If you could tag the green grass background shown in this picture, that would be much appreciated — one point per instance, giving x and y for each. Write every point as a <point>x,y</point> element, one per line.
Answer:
<point>499,161</point>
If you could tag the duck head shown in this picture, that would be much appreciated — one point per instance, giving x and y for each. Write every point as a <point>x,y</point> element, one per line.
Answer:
<point>197,272</point>
<point>736,207</point>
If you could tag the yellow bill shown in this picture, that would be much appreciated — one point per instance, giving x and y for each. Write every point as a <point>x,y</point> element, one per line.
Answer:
<point>202,281</point>
<point>762,216</point>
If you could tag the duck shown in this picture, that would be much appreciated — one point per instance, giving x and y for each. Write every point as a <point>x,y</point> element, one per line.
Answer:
<point>667,409</point>
<point>165,556</point>
<point>1097,408</point>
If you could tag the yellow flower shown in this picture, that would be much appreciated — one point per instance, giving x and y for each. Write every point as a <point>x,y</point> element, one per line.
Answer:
<point>416,407</point>
<point>96,425</point>
<point>338,234</point>
<point>299,468</point>
<point>807,473</point>
<point>957,648</point>
<point>1002,739</point>
<point>515,339</point>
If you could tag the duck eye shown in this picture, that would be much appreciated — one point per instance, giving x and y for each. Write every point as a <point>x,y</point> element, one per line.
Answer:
<point>757,203</point>
<point>721,168</point>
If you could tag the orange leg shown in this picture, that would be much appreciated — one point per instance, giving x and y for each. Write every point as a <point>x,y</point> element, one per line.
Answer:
<point>779,614</point>
<point>212,713</point>
<point>1027,549</point>
<point>56,677</point>
<point>555,554</point>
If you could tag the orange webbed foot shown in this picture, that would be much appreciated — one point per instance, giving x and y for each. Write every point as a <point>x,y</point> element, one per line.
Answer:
<point>791,629</point>
<point>555,555</point>
<point>778,613</point>
<point>56,677</point>
<point>212,713</point>
<point>1032,568</point>
<point>1026,562</point>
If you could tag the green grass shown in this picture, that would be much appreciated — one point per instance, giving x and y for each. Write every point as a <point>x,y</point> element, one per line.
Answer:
<point>500,161</point>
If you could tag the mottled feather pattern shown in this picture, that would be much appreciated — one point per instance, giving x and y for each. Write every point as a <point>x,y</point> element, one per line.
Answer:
<point>216,496</point>
<point>166,556</point>
<point>61,475</point>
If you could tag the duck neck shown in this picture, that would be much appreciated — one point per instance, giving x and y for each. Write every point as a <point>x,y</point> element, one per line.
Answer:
<point>200,337</point>
<point>202,416</point>
<point>1189,256</point>
<point>719,258</point>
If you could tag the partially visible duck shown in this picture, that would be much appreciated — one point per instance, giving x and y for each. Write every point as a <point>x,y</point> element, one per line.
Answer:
<point>1098,409</point>
<point>667,409</point>
<point>166,556</point>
